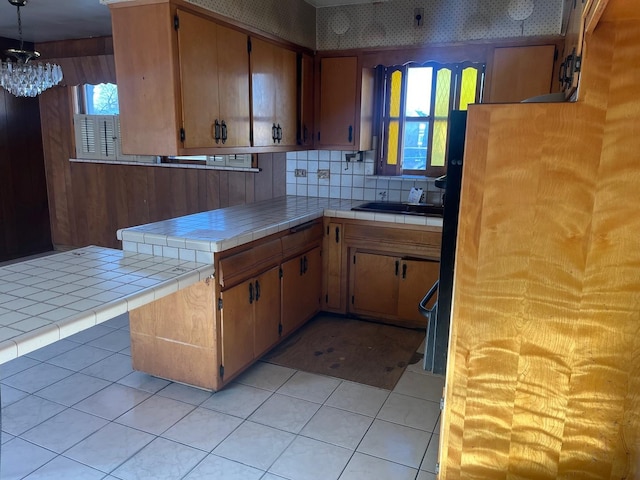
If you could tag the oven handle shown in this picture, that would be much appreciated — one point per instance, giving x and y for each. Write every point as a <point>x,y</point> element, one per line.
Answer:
<point>422,306</point>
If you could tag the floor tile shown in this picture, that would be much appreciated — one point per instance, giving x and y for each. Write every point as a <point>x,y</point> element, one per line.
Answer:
<point>285,413</point>
<point>11,395</point>
<point>203,429</point>
<point>431,457</point>
<point>427,387</point>
<point>90,334</point>
<point>65,468</point>
<point>358,398</point>
<point>155,414</point>
<point>114,341</point>
<point>338,427</point>
<point>16,365</point>
<point>309,386</point>
<point>79,358</point>
<point>255,445</point>
<point>20,458</point>
<point>422,475</point>
<point>120,321</point>
<point>53,350</point>
<point>64,430</point>
<point>144,381</point>
<point>112,368</point>
<point>185,393</point>
<point>214,467</point>
<point>72,389</point>
<point>237,400</point>
<point>25,414</point>
<point>271,476</point>
<point>5,437</point>
<point>36,378</point>
<point>410,411</point>
<point>266,376</point>
<point>112,401</point>
<point>308,459</point>
<point>109,447</point>
<point>395,443</point>
<point>365,467</point>
<point>160,460</point>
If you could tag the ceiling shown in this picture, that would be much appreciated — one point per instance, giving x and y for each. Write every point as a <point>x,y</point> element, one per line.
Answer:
<point>48,20</point>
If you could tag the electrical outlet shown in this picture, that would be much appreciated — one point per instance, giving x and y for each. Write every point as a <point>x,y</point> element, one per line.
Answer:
<point>418,17</point>
<point>323,174</point>
<point>300,172</point>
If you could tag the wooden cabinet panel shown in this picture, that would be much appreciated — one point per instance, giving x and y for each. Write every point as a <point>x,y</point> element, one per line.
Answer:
<point>267,311</point>
<point>334,276</point>
<point>301,289</point>
<point>518,73</point>
<point>237,331</point>
<point>374,284</point>
<point>343,122</point>
<point>416,278</point>
<point>274,83</point>
<point>214,83</point>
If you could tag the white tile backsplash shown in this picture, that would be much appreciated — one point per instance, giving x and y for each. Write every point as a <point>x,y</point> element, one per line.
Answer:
<point>352,180</point>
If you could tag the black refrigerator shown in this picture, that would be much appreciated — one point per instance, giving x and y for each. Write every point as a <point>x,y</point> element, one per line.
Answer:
<point>438,329</point>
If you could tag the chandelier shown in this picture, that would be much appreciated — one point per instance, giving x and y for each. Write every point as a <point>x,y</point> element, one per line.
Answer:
<point>22,77</point>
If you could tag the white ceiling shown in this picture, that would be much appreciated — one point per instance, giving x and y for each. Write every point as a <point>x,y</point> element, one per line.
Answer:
<point>46,20</point>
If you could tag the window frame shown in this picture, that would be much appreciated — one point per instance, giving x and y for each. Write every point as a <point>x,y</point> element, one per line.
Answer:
<point>384,94</point>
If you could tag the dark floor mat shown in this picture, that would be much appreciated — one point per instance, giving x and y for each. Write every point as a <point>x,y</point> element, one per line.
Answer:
<point>356,350</point>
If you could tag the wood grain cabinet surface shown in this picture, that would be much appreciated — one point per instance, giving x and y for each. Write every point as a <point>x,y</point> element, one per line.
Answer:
<point>274,94</point>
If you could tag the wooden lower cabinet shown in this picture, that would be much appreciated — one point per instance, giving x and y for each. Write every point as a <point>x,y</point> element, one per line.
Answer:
<point>390,287</point>
<point>250,319</point>
<point>334,281</point>
<point>301,289</point>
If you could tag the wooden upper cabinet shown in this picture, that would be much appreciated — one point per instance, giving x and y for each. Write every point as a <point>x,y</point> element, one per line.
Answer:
<point>346,104</point>
<point>214,78</point>
<point>518,73</point>
<point>178,73</point>
<point>274,94</point>
<point>305,129</point>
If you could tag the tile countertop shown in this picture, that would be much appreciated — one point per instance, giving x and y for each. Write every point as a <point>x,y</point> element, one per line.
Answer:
<point>196,237</point>
<point>49,298</point>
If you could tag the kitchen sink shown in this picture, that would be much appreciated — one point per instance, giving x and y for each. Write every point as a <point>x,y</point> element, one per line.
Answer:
<point>404,208</point>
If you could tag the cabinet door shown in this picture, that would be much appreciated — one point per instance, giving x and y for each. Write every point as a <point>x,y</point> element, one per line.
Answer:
<point>306,100</point>
<point>233,80</point>
<point>267,310</point>
<point>237,320</point>
<point>338,86</point>
<point>334,284</point>
<point>518,73</point>
<point>301,289</point>
<point>312,262</point>
<point>197,43</point>
<point>273,77</point>
<point>374,281</point>
<point>416,278</point>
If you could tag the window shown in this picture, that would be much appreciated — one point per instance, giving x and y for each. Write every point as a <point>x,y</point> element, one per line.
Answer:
<point>101,99</point>
<point>416,103</point>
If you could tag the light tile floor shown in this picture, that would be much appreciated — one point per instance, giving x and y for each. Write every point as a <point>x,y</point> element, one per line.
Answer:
<point>76,410</point>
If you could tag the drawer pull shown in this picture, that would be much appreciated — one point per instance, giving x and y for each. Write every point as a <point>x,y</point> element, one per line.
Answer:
<point>250,293</point>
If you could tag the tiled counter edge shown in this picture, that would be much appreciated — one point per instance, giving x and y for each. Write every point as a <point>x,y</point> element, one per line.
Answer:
<point>168,277</point>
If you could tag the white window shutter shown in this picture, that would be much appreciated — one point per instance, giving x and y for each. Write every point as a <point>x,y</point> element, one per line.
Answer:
<point>95,137</point>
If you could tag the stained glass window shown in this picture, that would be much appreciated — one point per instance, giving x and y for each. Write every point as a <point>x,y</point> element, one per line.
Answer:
<point>416,112</point>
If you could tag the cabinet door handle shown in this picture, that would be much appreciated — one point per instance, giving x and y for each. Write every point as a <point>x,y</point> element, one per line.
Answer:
<point>305,134</point>
<point>350,133</point>
<point>279,134</point>
<point>224,131</point>
<point>397,267</point>
<point>306,264</point>
<point>337,234</point>
<point>257,290</point>
<point>216,131</point>
<point>250,292</point>
<point>301,266</point>
<point>404,271</point>
<point>274,133</point>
